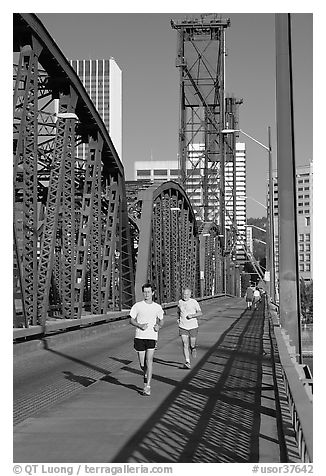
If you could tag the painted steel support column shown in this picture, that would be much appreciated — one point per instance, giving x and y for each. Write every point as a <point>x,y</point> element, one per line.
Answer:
<point>271,219</point>
<point>288,261</point>
<point>144,243</point>
<point>222,168</point>
<point>237,290</point>
<point>182,134</point>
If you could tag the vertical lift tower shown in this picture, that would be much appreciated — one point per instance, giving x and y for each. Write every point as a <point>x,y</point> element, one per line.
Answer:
<point>200,59</point>
<point>201,62</point>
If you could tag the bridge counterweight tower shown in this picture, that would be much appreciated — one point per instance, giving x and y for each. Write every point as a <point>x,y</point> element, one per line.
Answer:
<point>200,59</point>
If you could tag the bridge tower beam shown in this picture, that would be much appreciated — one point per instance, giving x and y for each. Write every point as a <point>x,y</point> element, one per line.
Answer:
<point>200,59</point>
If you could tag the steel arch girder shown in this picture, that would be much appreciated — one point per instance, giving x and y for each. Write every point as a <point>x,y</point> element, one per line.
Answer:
<point>55,78</point>
<point>168,248</point>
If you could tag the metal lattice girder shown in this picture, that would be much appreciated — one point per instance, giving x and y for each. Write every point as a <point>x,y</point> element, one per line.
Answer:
<point>166,219</point>
<point>25,162</point>
<point>210,259</point>
<point>19,313</point>
<point>56,283</point>
<point>95,245</point>
<point>110,245</point>
<point>127,282</point>
<point>157,248</point>
<point>183,235</point>
<point>86,218</point>
<point>64,142</point>
<point>68,225</point>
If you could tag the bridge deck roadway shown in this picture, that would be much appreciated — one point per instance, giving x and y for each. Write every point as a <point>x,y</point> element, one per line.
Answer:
<point>81,402</point>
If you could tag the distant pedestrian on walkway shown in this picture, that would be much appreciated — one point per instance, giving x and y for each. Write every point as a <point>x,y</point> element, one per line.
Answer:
<point>147,317</point>
<point>256,297</point>
<point>188,311</point>
<point>249,296</point>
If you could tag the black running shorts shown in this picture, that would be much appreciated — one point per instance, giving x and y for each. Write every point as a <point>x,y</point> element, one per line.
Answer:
<point>144,344</point>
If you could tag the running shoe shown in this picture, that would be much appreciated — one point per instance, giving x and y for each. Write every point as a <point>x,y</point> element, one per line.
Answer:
<point>187,365</point>
<point>147,390</point>
<point>194,352</point>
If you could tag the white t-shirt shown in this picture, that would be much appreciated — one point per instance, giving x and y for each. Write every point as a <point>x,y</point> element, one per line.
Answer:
<point>256,293</point>
<point>190,306</point>
<point>144,312</point>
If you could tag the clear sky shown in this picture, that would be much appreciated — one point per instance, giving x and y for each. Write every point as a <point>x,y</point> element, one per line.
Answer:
<point>144,46</point>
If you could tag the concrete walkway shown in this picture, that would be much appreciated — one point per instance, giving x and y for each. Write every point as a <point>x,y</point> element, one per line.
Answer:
<point>222,410</point>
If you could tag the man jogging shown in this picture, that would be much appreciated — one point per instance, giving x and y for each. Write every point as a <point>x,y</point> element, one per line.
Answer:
<point>147,317</point>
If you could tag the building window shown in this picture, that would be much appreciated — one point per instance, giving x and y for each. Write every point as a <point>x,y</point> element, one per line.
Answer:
<point>306,188</point>
<point>307,221</point>
<point>301,257</point>
<point>307,266</point>
<point>306,180</point>
<point>307,246</point>
<point>300,204</point>
<point>300,181</point>
<point>308,257</point>
<point>301,237</point>
<point>301,247</point>
<point>160,172</point>
<point>306,204</point>
<point>301,267</point>
<point>300,212</point>
<point>174,172</point>
<point>307,236</point>
<point>300,189</point>
<point>300,196</point>
<point>307,211</point>
<point>143,172</point>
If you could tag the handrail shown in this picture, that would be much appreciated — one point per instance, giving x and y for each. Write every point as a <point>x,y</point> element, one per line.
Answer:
<point>299,394</point>
<point>60,325</point>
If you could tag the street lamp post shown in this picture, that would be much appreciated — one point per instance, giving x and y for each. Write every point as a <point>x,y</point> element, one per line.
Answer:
<point>270,211</point>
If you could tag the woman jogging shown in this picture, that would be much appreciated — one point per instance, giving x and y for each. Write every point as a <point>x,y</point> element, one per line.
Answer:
<point>188,311</point>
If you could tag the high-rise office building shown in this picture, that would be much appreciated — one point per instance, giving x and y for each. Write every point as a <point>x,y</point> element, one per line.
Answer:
<point>304,192</point>
<point>249,239</point>
<point>240,198</point>
<point>102,79</point>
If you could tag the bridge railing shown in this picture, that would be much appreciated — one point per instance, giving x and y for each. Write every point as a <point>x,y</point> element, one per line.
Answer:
<point>63,325</point>
<point>298,390</point>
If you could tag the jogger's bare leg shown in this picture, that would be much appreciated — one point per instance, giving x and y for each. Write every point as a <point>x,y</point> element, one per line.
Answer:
<point>149,365</point>
<point>193,342</point>
<point>185,343</point>
<point>143,363</point>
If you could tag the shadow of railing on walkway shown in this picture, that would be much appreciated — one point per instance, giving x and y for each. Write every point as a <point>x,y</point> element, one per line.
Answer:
<point>213,415</point>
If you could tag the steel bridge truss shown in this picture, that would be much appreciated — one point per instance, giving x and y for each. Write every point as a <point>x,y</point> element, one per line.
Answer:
<point>72,249</point>
<point>167,247</point>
